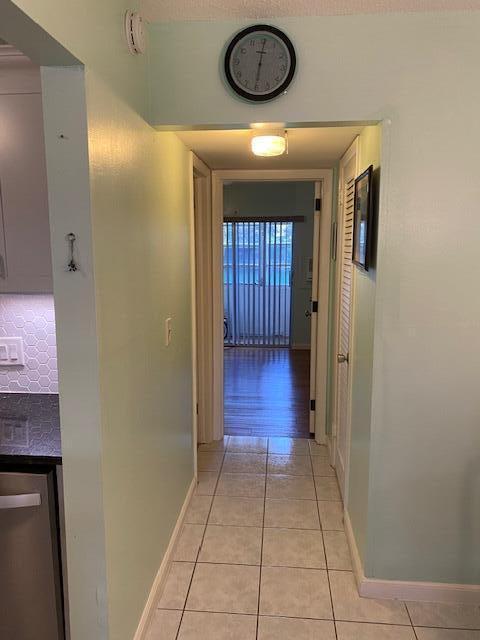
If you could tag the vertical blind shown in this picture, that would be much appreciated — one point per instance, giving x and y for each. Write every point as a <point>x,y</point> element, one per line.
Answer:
<point>257,271</point>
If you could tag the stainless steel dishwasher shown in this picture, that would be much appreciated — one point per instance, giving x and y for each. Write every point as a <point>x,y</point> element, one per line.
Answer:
<point>30,573</point>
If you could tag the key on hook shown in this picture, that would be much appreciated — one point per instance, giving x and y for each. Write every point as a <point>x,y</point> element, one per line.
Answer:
<point>72,266</point>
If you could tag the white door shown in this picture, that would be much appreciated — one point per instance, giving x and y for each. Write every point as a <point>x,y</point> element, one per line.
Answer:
<point>314,305</point>
<point>347,175</point>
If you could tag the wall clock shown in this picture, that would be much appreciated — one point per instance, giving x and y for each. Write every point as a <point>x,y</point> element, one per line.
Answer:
<point>260,63</point>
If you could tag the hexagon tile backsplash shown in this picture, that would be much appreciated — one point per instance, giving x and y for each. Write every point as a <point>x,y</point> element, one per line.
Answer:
<point>31,317</point>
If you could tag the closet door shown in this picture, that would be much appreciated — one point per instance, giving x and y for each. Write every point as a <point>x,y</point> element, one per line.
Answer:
<point>348,172</point>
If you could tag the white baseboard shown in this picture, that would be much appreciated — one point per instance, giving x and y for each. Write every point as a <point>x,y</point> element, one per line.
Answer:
<point>421,591</point>
<point>356,562</point>
<point>341,476</point>
<point>300,347</point>
<point>331,450</point>
<point>404,590</point>
<point>162,573</point>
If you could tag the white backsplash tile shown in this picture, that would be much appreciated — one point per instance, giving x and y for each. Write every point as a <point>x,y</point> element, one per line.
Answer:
<point>31,317</point>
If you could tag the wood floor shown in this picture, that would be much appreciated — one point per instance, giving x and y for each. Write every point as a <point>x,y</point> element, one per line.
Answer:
<point>266,391</point>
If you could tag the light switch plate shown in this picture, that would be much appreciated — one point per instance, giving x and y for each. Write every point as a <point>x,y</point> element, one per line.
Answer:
<point>11,352</point>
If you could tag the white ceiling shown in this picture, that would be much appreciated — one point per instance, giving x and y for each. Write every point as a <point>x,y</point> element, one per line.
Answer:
<point>166,10</point>
<point>312,148</point>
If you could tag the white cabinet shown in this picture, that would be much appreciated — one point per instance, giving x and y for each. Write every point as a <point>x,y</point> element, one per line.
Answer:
<point>25,259</point>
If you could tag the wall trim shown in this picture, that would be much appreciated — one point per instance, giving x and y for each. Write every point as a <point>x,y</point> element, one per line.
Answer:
<point>405,590</point>
<point>162,573</point>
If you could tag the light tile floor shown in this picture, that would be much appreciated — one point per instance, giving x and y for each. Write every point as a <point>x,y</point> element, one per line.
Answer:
<point>263,556</point>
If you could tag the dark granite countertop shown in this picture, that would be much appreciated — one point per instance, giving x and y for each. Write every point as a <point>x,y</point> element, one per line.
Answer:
<point>30,428</point>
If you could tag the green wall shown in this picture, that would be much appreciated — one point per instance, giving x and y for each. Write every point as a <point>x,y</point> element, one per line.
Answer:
<point>140,209</point>
<point>416,72</point>
<point>126,400</point>
<point>282,199</point>
<point>361,363</point>
<point>68,174</point>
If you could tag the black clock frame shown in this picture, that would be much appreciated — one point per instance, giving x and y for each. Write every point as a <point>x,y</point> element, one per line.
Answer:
<point>282,87</point>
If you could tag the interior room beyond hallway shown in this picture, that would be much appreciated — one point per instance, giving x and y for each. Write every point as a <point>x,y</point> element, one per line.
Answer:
<point>266,391</point>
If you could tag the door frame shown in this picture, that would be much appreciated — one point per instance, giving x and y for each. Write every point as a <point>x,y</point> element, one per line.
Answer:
<point>201,295</point>
<point>352,151</point>
<point>325,177</point>
<point>314,297</point>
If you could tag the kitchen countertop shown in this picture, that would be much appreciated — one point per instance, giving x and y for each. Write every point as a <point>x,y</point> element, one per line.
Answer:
<point>30,428</point>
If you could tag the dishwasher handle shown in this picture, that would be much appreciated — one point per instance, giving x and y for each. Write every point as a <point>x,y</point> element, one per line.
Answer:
<point>21,500</point>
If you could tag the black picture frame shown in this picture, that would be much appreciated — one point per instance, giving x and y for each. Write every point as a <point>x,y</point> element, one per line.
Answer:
<point>228,54</point>
<point>362,219</point>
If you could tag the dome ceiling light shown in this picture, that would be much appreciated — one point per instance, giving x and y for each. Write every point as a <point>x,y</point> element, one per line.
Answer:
<point>267,146</point>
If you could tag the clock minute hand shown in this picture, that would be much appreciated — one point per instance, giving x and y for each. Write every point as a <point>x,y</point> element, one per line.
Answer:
<point>262,53</point>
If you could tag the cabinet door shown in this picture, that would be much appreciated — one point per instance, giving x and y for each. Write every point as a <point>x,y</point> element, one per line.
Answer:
<point>31,603</point>
<point>25,260</point>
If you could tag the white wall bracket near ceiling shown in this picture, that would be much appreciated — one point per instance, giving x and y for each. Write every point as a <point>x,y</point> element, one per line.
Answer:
<point>135,32</point>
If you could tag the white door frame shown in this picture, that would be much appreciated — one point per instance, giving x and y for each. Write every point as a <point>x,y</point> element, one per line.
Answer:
<point>314,301</point>
<point>352,151</point>
<point>202,305</point>
<point>324,176</point>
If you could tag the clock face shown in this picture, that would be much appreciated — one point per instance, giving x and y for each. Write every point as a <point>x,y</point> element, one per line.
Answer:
<point>260,63</point>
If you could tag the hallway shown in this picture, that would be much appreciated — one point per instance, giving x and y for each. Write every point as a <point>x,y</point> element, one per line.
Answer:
<point>263,556</point>
<point>266,391</point>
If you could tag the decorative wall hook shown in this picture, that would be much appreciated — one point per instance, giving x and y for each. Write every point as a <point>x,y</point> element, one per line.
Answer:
<point>72,265</point>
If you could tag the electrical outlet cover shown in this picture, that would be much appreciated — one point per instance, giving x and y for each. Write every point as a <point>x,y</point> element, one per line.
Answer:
<point>12,352</point>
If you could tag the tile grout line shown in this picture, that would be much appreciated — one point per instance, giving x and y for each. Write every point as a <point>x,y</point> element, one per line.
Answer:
<point>323,542</point>
<point>254,526</point>
<point>201,542</point>
<point>335,619</point>
<point>410,618</point>
<point>362,622</point>
<point>261,546</point>
<point>273,566</point>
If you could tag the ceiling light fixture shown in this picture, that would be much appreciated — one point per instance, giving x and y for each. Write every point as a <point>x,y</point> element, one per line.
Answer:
<point>270,145</point>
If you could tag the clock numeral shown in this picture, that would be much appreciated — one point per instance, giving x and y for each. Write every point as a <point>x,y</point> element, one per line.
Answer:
<point>283,68</point>
<point>267,86</point>
<point>252,43</point>
<point>243,50</point>
<point>257,87</point>
<point>236,61</point>
<point>281,56</point>
<point>238,74</point>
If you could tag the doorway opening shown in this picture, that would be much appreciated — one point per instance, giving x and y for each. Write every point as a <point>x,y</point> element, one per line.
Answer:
<point>268,237</point>
<point>269,318</point>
